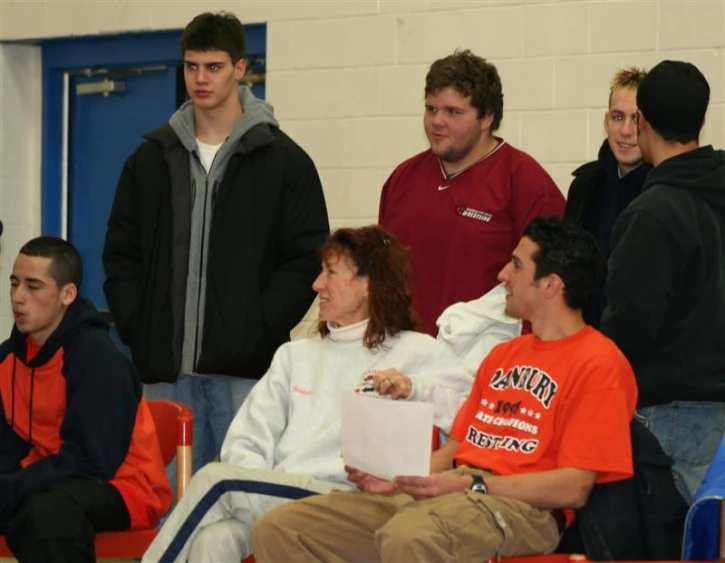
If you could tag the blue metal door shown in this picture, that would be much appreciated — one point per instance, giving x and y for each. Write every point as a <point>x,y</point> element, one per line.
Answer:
<point>104,131</point>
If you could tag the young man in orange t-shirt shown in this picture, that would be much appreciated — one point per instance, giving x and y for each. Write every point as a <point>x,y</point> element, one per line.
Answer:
<point>547,418</point>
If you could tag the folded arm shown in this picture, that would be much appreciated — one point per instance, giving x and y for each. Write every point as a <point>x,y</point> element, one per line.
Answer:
<point>102,397</point>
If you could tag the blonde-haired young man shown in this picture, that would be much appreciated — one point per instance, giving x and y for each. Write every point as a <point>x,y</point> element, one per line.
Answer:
<point>601,189</point>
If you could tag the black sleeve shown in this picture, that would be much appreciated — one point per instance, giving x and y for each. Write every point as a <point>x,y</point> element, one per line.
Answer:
<point>588,179</point>
<point>579,197</point>
<point>12,448</point>
<point>303,226</point>
<point>122,254</point>
<point>572,211</point>
<point>645,272</point>
<point>102,397</point>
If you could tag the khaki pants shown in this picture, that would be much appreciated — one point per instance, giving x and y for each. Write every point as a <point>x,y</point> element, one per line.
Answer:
<point>356,526</point>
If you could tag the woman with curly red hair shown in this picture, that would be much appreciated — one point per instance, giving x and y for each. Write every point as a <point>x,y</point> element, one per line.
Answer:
<point>284,442</point>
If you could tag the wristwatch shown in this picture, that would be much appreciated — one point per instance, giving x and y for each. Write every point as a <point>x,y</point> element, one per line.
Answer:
<point>479,485</point>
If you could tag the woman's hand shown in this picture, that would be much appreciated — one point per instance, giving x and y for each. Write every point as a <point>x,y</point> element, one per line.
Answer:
<point>392,382</point>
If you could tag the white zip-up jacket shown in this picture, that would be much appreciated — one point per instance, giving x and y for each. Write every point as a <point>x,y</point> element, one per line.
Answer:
<point>291,419</point>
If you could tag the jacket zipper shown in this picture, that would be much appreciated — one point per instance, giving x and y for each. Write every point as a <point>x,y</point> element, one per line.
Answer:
<point>201,263</point>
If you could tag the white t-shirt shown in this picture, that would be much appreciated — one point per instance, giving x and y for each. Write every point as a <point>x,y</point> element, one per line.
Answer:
<point>207,154</point>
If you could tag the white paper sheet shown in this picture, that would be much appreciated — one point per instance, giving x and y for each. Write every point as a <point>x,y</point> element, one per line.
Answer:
<point>386,438</point>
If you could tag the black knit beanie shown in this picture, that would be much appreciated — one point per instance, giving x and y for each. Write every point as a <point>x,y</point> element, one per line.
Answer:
<point>673,97</point>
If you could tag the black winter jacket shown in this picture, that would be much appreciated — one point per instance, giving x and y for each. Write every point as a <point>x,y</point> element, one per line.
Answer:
<point>590,177</point>
<point>596,197</point>
<point>269,217</point>
<point>587,179</point>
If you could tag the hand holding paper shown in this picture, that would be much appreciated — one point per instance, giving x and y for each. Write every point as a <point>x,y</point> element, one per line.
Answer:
<point>386,438</point>
<point>370,484</point>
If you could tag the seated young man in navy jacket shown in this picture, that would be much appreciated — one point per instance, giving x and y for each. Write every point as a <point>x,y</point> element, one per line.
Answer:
<point>78,446</point>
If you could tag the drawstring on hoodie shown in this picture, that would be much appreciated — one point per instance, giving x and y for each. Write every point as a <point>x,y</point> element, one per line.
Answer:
<point>30,408</point>
<point>12,404</point>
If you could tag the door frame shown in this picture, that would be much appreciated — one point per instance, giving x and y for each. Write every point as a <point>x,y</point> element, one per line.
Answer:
<point>61,56</point>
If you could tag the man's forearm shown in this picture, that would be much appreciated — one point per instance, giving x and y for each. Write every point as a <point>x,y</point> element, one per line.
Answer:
<point>559,488</point>
<point>442,459</point>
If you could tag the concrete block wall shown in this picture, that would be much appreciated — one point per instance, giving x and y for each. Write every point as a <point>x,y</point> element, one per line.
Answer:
<point>346,77</point>
<point>19,160</point>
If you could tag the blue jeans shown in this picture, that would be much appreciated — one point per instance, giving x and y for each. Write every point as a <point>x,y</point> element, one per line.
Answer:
<point>690,433</point>
<point>214,400</point>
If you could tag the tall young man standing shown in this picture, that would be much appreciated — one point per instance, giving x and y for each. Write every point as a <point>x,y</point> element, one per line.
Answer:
<point>210,249</point>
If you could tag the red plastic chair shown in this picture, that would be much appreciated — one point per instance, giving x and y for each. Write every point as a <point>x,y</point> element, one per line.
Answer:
<point>174,427</point>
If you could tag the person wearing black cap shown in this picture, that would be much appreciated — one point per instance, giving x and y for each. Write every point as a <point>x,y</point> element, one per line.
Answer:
<point>666,274</point>
<point>601,189</point>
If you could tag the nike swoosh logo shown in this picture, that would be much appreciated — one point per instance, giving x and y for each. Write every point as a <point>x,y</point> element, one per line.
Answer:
<point>441,188</point>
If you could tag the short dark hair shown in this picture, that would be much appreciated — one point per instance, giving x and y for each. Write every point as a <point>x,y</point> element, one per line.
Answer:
<point>569,252</point>
<point>66,265</point>
<point>220,31</point>
<point>472,76</point>
<point>673,98</point>
<point>379,256</point>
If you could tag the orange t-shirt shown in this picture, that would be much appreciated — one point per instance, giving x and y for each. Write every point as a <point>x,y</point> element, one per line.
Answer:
<point>540,405</point>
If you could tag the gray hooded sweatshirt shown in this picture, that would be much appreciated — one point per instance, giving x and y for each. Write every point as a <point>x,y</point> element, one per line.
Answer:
<point>203,189</point>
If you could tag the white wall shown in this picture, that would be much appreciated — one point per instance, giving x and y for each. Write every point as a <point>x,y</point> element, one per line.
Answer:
<point>346,77</point>
<point>19,159</point>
